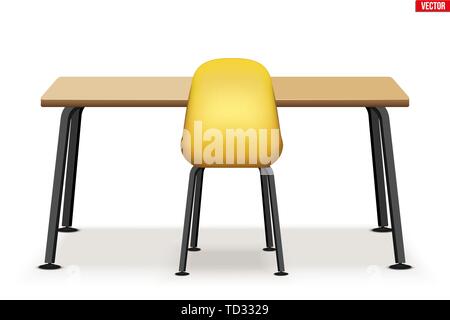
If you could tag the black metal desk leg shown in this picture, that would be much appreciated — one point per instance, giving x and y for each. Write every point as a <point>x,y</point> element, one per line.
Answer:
<point>58,181</point>
<point>71,173</point>
<point>377,162</point>
<point>391,180</point>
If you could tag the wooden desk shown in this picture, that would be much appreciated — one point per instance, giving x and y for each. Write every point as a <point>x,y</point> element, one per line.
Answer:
<point>174,91</point>
<point>374,93</point>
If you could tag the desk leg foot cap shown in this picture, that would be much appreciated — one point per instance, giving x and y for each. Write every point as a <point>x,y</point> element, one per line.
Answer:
<point>182,273</point>
<point>68,230</point>
<point>382,230</point>
<point>194,249</point>
<point>49,266</point>
<point>400,266</point>
<point>281,273</point>
<point>269,249</point>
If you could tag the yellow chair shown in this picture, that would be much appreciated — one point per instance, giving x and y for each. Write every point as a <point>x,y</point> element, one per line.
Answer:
<point>231,121</point>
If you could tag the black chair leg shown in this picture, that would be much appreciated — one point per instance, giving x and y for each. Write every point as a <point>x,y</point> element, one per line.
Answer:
<point>196,214</point>
<point>71,173</point>
<point>377,162</point>
<point>58,181</point>
<point>266,208</point>
<point>391,180</point>
<point>275,221</point>
<point>187,222</point>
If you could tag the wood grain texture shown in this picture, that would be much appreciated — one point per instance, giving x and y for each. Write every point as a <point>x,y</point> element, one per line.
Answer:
<point>174,92</point>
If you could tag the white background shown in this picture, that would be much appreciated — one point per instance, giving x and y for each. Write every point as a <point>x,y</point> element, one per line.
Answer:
<point>132,177</point>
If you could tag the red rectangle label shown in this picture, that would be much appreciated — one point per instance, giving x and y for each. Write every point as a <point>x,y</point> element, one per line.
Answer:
<point>432,6</point>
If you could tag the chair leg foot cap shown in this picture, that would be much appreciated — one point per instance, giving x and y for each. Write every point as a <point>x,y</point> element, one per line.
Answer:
<point>281,273</point>
<point>382,230</point>
<point>68,230</point>
<point>182,273</point>
<point>400,266</point>
<point>194,249</point>
<point>49,266</point>
<point>269,249</point>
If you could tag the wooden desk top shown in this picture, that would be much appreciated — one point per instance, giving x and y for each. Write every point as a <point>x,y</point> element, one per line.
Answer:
<point>174,91</point>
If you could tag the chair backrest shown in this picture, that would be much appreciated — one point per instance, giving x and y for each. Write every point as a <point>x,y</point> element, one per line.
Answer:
<point>231,116</point>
